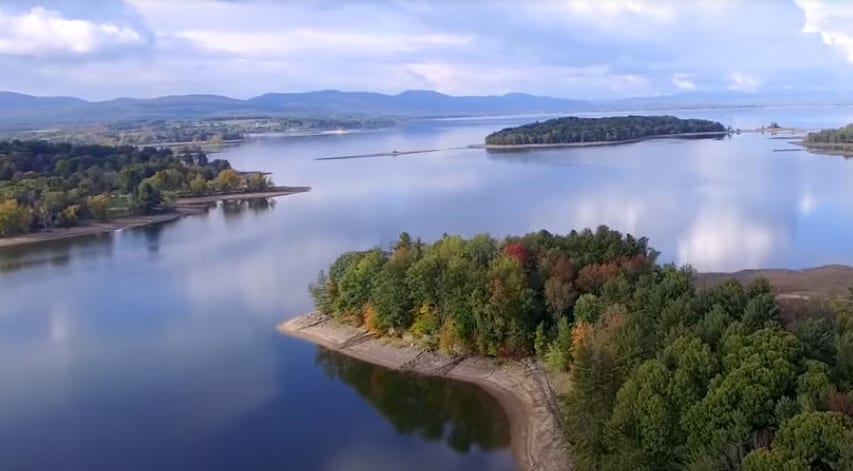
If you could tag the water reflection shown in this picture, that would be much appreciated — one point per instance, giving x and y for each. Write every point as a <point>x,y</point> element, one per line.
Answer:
<point>172,328</point>
<point>59,253</point>
<point>726,240</point>
<point>152,234</point>
<point>237,208</point>
<point>461,415</point>
<point>56,253</point>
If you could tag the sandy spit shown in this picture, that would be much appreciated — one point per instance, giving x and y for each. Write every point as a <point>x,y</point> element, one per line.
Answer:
<point>521,387</point>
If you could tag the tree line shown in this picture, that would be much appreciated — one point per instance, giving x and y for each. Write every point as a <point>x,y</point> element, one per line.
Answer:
<point>211,130</point>
<point>618,128</point>
<point>843,135</point>
<point>663,375</point>
<point>479,295</point>
<point>45,185</point>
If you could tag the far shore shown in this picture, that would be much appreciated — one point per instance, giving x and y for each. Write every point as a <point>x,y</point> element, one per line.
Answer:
<point>180,208</point>
<point>521,387</point>
<point>558,145</point>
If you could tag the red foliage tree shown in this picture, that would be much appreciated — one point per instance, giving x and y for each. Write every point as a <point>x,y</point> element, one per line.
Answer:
<point>519,252</point>
<point>592,277</point>
<point>841,403</point>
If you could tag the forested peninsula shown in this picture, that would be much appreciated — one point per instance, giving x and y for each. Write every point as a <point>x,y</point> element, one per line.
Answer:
<point>47,186</point>
<point>664,374</point>
<point>575,131</point>
<point>831,141</point>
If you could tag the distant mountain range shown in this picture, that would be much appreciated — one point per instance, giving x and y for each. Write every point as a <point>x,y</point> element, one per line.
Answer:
<point>26,111</point>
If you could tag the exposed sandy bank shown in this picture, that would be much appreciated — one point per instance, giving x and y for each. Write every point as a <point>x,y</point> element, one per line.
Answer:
<point>182,207</point>
<point>521,387</point>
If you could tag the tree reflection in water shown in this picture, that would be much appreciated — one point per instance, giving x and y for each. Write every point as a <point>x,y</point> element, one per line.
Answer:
<point>236,208</point>
<point>458,413</point>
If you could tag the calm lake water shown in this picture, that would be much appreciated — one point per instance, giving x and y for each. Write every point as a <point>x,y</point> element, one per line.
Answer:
<point>157,349</point>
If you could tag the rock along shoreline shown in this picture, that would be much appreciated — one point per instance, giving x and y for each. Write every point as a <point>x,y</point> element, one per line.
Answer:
<point>521,387</point>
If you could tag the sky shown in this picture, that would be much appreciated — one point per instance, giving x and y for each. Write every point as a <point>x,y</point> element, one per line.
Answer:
<point>591,49</point>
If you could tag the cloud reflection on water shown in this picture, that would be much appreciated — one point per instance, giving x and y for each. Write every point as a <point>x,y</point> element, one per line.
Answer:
<point>724,240</point>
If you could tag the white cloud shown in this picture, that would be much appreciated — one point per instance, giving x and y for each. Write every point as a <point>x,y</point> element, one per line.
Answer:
<point>832,21</point>
<point>283,43</point>
<point>608,48</point>
<point>40,32</point>
<point>605,11</point>
<point>742,82</point>
<point>683,81</point>
<point>457,78</point>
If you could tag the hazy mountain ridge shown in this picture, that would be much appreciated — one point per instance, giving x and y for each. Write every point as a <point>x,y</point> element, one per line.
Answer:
<point>19,110</point>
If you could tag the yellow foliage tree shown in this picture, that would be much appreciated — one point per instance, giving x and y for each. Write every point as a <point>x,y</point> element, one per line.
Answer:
<point>228,180</point>
<point>99,206</point>
<point>14,218</point>
<point>369,315</point>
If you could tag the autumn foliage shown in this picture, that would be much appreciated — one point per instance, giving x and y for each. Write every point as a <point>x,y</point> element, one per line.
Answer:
<point>484,295</point>
<point>663,375</point>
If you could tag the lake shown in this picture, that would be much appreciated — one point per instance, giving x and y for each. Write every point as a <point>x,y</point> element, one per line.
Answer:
<point>156,348</point>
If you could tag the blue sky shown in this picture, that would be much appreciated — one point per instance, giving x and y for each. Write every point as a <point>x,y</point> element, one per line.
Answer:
<point>571,48</point>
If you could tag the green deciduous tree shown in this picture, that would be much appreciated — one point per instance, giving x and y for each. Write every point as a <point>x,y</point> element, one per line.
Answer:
<point>198,185</point>
<point>147,197</point>
<point>257,182</point>
<point>503,321</point>
<point>390,296</point>
<point>356,282</point>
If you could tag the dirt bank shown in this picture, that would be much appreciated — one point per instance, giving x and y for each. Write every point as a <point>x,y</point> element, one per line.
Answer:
<point>521,387</point>
<point>182,207</point>
<point>828,280</point>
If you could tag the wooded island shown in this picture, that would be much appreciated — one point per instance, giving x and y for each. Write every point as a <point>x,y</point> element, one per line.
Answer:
<point>575,130</point>
<point>663,375</point>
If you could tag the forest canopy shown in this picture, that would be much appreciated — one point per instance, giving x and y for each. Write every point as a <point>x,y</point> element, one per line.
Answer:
<point>573,129</point>
<point>664,375</point>
<point>45,185</point>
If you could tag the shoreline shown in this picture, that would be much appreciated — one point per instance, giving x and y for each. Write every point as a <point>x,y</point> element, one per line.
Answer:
<point>522,388</point>
<point>182,207</point>
<point>825,148</point>
<point>558,145</point>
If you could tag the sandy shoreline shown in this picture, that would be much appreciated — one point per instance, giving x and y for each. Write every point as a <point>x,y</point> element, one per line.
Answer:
<point>182,207</point>
<point>521,387</point>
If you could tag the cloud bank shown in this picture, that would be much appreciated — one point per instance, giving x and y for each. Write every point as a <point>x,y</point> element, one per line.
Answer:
<point>570,48</point>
